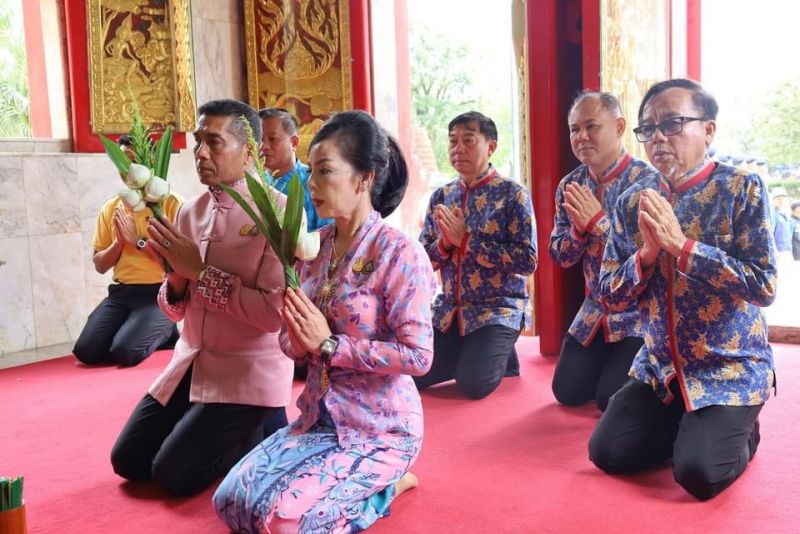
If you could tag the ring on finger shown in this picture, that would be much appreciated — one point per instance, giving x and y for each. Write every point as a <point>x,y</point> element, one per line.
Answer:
<point>167,243</point>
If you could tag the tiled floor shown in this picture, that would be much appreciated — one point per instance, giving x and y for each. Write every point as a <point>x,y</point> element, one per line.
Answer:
<point>14,359</point>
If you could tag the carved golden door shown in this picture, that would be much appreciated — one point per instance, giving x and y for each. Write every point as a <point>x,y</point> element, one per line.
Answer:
<point>140,50</point>
<point>298,58</point>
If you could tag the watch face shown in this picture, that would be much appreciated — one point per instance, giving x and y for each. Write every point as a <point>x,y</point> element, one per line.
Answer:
<point>328,346</point>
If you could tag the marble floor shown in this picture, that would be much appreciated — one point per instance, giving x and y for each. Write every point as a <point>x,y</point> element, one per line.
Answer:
<point>13,359</point>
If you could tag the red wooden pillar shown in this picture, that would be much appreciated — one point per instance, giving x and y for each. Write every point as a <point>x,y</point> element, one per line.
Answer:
<point>693,39</point>
<point>37,71</point>
<point>361,55</point>
<point>403,76</point>
<point>555,74</point>
<point>590,39</point>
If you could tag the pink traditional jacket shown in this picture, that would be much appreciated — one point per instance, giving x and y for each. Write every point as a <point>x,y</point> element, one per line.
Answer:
<point>380,314</point>
<point>231,314</point>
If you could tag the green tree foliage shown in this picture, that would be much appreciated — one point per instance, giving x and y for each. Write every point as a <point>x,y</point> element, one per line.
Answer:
<point>778,125</point>
<point>441,76</point>
<point>14,96</point>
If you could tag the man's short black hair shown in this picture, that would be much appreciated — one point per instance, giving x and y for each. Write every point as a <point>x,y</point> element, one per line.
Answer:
<point>486,125</point>
<point>795,205</point>
<point>125,140</point>
<point>227,107</point>
<point>289,122</point>
<point>703,101</point>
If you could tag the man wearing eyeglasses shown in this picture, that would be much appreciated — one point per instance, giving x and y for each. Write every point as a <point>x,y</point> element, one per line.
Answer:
<point>600,345</point>
<point>691,245</point>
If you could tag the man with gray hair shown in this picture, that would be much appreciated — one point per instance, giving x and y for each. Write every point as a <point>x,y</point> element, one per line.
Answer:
<point>600,345</point>
<point>692,246</point>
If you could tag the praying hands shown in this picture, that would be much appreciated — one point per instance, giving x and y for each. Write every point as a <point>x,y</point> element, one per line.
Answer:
<point>659,226</point>
<point>581,205</point>
<point>451,225</point>
<point>305,323</point>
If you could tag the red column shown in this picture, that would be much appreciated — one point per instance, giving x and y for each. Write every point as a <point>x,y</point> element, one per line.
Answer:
<point>403,75</point>
<point>590,38</point>
<point>693,39</point>
<point>555,74</point>
<point>361,54</point>
<point>37,72</point>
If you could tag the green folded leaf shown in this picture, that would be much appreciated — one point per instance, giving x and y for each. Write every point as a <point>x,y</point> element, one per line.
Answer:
<point>239,199</point>
<point>291,277</point>
<point>267,209</point>
<point>292,218</point>
<point>163,152</point>
<point>117,156</point>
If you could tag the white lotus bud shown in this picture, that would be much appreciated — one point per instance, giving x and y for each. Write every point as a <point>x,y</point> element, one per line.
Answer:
<point>156,189</point>
<point>132,198</point>
<point>307,244</point>
<point>138,176</point>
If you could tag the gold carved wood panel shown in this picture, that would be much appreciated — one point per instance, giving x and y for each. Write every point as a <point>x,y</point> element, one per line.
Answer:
<point>298,58</point>
<point>140,50</point>
<point>633,55</point>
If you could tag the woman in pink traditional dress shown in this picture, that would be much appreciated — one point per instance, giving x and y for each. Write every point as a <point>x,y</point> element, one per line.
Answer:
<point>362,322</point>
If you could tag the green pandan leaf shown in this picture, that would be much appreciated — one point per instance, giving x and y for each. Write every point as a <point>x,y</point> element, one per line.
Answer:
<point>117,156</point>
<point>291,277</point>
<point>239,199</point>
<point>293,217</point>
<point>163,152</point>
<point>267,209</point>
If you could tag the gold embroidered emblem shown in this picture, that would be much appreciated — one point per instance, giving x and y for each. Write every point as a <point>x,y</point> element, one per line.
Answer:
<point>362,266</point>
<point>248,229</point>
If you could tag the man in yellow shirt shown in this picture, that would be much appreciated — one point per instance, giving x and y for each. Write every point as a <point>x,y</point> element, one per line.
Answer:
<point>128,325</point>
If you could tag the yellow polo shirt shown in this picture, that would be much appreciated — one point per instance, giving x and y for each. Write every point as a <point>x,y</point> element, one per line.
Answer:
<point>133,266</point>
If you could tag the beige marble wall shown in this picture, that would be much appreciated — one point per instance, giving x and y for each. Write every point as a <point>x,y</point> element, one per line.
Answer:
<point>50,201</point>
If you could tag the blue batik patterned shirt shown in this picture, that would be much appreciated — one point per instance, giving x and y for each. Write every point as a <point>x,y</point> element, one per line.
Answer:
<point>483,277</point>
<point>303,173</point>
<point>701,313</point>
<point>567,248</point>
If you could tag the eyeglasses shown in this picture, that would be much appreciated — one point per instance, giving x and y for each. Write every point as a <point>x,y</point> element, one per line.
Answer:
<point>672,126</point>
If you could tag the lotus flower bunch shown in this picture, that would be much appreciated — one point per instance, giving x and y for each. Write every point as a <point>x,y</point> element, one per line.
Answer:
<point>147,177</point>
<point>284,227</point>
<point>144,188</point>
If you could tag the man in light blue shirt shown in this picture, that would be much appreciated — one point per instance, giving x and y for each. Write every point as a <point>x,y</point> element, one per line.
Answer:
<point>279,139</point>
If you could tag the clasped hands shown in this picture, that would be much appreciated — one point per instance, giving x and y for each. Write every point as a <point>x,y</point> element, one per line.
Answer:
<point>581,205</point>
<point>168,244</point>
<point>306,325</point>
<point>659,227</point>
<point>451,225</point>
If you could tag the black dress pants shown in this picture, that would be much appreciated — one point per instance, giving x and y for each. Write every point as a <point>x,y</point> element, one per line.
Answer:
<point>478,361</point>
<point>186,446</point>
<point>126,327</point>
<point>595,372</point>
<point>710,447</point>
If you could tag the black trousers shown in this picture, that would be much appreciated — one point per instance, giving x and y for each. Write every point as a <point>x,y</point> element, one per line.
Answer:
<point>186,446</point>
<point>595,372</point>
<point>709,447</point>
<point>126,327</point>
<point>478,361</point>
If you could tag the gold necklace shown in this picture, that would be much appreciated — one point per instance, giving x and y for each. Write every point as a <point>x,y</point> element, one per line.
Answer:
<point>331,282</point>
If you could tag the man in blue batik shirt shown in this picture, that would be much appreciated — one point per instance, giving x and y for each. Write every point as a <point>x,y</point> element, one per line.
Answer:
<point>691,247</point>
<point>279,139</point>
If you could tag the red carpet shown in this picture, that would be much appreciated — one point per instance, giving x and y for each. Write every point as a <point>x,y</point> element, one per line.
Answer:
<point>512,463</point>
